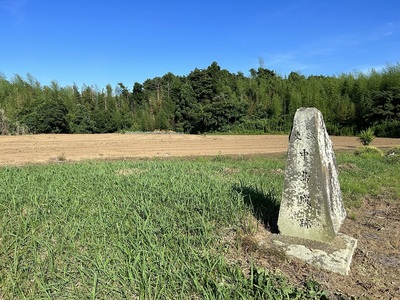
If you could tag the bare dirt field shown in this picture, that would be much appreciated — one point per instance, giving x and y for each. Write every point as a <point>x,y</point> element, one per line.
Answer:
<point>376,263</point>
<point>33,149</point>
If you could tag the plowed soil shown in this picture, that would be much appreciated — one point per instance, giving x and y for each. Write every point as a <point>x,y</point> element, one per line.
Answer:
<point>33,149</point>
<point>375,268</point>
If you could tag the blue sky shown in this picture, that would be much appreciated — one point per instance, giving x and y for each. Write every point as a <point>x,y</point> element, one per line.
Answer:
<point>100,42</point>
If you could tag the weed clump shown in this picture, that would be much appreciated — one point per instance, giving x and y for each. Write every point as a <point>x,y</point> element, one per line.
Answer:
<point>367,136</point>
<point>370,151</point>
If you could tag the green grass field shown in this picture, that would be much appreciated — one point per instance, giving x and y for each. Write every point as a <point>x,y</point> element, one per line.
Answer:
<point>148,229</point>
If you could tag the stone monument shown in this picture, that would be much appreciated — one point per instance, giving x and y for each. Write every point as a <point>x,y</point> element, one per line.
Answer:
<point>312,209</point>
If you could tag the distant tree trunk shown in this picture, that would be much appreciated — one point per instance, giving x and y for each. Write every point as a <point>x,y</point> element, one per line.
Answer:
<point>3,123</point>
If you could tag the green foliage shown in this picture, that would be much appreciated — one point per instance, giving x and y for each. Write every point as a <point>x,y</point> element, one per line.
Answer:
<point>315,290</point>
<point>80,120</point>
<point>151,228</point>
<point>48,117</point>
<point>144,229</point>
<point>9,128</point>
<point>105,121</point>
<point>368,151</point>
<point>247,126</point>
<point>388,129</point>
<point>209,100</point>
<point>368,175</point>
<point>367,136</point>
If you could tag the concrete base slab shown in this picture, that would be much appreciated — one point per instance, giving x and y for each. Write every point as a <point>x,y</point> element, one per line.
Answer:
<point>335,256</point>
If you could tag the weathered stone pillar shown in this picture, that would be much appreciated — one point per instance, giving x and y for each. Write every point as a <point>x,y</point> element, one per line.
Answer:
<point>312,205</point>
<point>312,209</point>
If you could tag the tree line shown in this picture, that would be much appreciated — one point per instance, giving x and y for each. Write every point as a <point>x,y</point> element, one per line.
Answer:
<point>206,100</point>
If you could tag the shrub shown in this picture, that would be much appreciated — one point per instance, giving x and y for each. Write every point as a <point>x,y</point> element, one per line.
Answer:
<point>368,151</point>
<point>366,136</point>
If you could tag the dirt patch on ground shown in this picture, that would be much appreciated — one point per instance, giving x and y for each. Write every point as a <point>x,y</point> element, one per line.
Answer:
<point>19,150</point>
<point>376,224</point>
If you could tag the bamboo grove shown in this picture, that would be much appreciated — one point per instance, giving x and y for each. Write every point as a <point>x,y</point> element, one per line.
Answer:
<point>206,100</point>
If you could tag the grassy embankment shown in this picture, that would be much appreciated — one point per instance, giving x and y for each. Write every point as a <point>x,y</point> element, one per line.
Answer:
<point>148,229</point>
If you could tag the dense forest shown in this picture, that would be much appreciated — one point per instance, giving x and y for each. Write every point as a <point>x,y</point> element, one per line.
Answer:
<point>206,100</point>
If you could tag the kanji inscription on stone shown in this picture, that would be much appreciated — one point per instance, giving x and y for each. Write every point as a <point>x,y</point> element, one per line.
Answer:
<point>311,206</point>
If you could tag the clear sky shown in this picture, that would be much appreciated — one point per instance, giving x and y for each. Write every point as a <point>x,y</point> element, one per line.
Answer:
<point>96,42</point>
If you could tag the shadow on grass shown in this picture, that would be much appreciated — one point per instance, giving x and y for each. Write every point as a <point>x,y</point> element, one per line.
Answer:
<point>265,205</point>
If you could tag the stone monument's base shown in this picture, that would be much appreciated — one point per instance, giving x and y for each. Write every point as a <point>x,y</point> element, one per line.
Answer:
<point>335,256</point>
